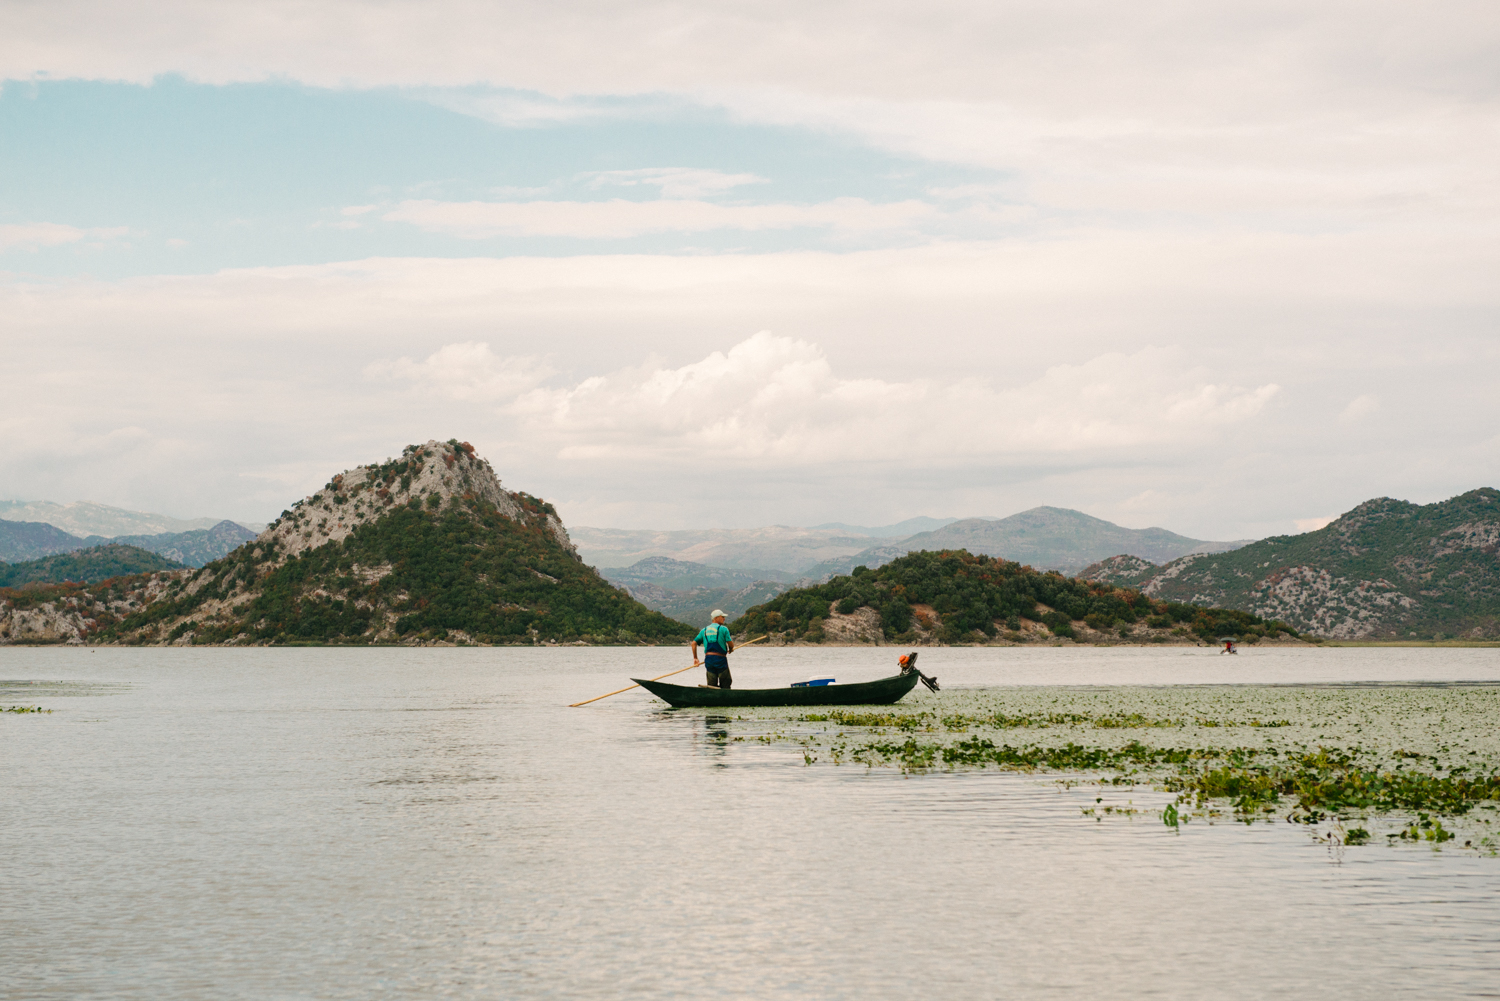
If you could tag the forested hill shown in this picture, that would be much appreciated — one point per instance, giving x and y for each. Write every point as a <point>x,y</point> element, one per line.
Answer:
<point>1386,569</point>
<point>425,548</point>
<point>85,565</point>
<point>953,596</point>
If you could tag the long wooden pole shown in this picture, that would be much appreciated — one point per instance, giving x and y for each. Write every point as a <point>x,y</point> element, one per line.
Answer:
<point>575,705</point>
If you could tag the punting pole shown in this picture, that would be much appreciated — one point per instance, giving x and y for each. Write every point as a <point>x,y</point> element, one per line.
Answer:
<point>575,705</point>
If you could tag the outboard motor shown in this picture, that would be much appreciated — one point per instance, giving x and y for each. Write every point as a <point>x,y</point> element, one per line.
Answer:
<point>909,664</point>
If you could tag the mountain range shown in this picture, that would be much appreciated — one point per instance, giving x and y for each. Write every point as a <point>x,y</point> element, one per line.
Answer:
<point>689,591</point>
<point>28,540</point>
<point>86,518</point>
<point>1388,569</point>
<point>723,575</point>
<point>1048,538</point>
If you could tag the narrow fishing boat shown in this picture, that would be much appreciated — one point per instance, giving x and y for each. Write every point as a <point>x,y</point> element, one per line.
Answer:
<point>878,693</point>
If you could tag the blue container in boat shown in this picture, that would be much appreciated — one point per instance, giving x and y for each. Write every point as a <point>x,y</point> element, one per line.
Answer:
<point>817,681</point>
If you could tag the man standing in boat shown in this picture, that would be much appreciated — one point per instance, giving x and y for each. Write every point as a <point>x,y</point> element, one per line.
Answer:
<point>717,645</point>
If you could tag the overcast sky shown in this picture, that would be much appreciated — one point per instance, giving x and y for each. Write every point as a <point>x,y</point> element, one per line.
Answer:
<point>1225,268</point>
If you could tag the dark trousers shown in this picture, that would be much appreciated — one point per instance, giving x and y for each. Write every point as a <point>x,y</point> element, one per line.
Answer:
<point>718,677</point>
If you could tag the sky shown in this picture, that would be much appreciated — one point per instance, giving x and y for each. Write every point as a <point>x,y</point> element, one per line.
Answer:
<point>1226,269</point>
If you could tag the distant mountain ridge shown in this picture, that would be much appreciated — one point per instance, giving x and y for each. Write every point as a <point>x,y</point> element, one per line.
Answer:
<point>689,592</point>
<point>193,549</point>
<point>899,530</point>
<point>1386,569</point>
<point>1055,538</point>
<point>86,518</point>
<point>32,540</point>
<point>1048,538</point>
<point>26,540</point>
<point>775,547</point>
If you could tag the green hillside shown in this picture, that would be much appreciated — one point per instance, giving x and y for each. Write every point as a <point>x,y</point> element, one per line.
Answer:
<point>979,598</point>
<point>425,571</point>
<point>85,565</point>
<point>1386,569</point>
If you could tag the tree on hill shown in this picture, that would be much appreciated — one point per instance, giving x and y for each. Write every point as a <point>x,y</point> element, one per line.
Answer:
<point>975,597</point>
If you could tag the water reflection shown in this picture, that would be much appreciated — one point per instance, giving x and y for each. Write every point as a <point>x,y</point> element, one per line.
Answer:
<point>715,736</point>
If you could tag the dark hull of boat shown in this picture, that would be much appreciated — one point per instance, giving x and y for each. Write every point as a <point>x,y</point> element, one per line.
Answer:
<point>867,693</point>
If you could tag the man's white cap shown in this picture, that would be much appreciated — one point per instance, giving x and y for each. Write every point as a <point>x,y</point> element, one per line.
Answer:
<point>718,612</point>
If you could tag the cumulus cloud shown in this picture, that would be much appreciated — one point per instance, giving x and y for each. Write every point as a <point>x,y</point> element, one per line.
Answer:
<point>777,400</point>
<point>619,219</point>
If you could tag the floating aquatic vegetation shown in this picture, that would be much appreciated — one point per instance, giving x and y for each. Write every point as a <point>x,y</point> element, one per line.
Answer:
<point>24,709</point>
<point>1313,755</point>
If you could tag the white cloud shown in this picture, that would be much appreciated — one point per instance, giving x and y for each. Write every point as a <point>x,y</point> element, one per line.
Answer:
<point>674,182</point>
<point>777,400</point>
<point>619,219</point>
<point>1359,408</point>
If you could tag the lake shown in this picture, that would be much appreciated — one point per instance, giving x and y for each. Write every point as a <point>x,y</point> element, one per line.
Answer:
<point>437,823</point>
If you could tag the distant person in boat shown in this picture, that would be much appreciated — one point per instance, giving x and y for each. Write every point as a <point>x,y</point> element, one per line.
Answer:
<point>717,645</point>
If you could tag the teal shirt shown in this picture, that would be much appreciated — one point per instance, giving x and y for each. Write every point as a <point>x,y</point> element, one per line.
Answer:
<point>714,638</point>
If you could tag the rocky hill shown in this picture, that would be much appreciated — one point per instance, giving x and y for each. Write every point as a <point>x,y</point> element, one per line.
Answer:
<point>1387,569</point>
<point>89,565</point>
<point>954,596</point>
<point>425,548</point>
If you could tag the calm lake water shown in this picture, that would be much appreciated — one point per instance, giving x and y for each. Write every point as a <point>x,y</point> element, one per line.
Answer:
<point>203,824</point>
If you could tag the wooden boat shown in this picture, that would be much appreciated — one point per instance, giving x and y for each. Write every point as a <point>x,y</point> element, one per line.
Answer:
<point>866,693</point>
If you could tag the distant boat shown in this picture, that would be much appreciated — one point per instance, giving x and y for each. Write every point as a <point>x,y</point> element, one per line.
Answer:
<point>867,693</point>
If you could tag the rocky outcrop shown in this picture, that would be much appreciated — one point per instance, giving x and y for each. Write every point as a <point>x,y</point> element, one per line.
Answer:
<point>432,475</point>
<point>44,623</point>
